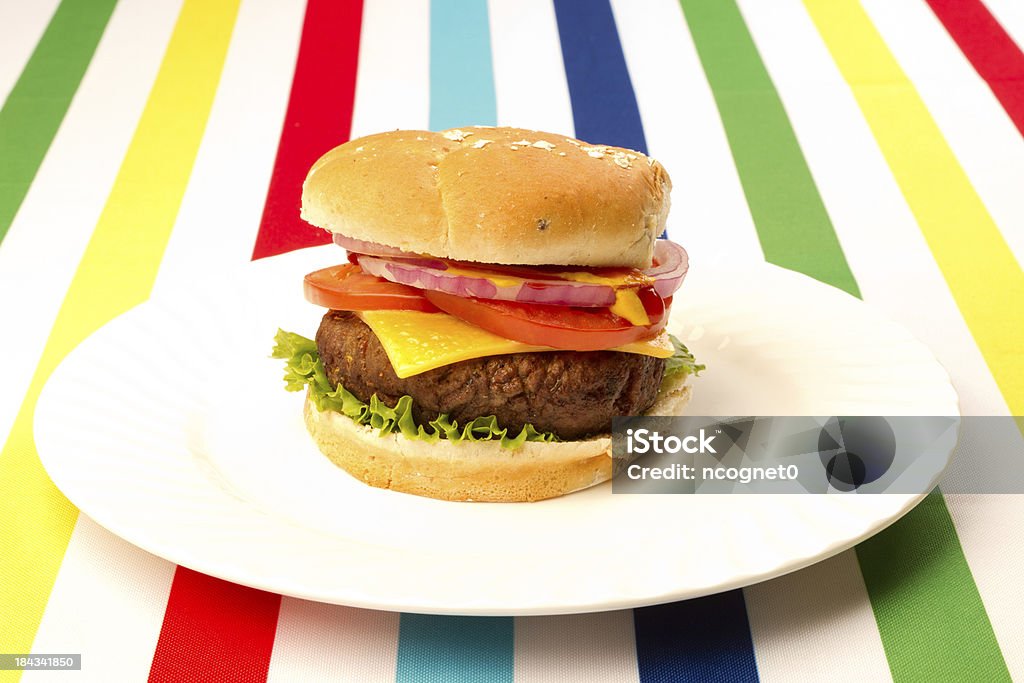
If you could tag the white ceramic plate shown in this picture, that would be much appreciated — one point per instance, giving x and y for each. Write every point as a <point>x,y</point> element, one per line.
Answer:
<point>170,427</point>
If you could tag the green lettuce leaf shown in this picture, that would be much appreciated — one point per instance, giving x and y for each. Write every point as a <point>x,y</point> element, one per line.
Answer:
<point>303,368</point>
<point>681,364</point>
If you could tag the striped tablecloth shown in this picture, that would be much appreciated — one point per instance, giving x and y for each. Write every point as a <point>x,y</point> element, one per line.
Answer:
<point>874,145</point>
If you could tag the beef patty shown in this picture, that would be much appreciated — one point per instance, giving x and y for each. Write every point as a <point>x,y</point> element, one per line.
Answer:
<point>574,394</point>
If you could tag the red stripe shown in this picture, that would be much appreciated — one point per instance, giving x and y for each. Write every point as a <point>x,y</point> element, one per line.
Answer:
<point>214,630</point>
<point>319,117</point>
<point>988,47</point>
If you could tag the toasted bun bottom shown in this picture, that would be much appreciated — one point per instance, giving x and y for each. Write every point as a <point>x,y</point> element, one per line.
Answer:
<point>477,470</point>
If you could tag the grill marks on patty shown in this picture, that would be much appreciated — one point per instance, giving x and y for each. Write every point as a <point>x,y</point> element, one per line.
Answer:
<point>571,393</point>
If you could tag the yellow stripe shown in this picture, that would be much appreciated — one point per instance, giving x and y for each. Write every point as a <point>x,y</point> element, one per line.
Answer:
<point>983,276</point>
<point>116,272</point>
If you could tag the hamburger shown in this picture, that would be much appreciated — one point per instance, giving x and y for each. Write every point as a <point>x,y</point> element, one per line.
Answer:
<point>503,296</point>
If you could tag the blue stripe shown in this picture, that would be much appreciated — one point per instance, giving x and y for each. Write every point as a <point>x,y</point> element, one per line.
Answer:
<point>696,640</point>
<point>604,107</point>
<point>435,648</point>
<point>461,71</point>
<point>706,639</point>
<point>464,649</point>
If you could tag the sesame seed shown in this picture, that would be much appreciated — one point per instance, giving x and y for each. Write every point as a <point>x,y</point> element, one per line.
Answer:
<point>513,147</point>
<point>456,135</point>
<point>522,143</point>
<point>561,154</point>
<point>573,142</point>
<point>622,159</point>
<point>480,144</point>
<point>544,144</point>
<point>596,154</point>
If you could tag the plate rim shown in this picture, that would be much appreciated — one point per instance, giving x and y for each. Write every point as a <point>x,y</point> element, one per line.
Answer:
<point>358,598</point>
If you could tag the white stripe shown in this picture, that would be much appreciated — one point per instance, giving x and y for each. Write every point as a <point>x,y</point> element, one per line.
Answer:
<point>21,26</point>
<point>583,648</point>
<point>984,139</point>
<point>881,240</point>
<point>318,642</point>
<point>897,273</point>
<point>1010,15</point>
<point>107,604</point>
<point>683,121</point>
<point>800,624</point>
<point>45,242</point>
<point>710,216</point>
<point>328,642</point>
<point>532,92</point>
<point>810,598</point>
<point>393,79</point>
<point>609,652</point>
<point>988,527</point>
<point>313,641</point>
<point>220,213</point>
<point>91,610</point>
<point>529,75</point>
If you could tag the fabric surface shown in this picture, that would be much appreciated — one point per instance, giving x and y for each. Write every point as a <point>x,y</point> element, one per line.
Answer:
<point>872,145</point>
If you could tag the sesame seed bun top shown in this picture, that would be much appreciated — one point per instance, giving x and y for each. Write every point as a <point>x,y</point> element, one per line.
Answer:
<point>492,195</point>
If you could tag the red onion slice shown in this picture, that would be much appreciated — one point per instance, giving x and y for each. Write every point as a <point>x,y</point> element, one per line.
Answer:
<point>362,247</point>
<point>439,275</point>
<point>673,263</point>
<point>498,286</point>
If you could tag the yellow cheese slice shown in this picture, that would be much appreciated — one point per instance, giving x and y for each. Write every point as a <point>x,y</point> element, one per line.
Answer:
<point>659,347</point>
<point>416,342</point>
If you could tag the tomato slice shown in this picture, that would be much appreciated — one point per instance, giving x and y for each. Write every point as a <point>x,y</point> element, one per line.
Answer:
<point>560,327</point>
<point>346,287</point>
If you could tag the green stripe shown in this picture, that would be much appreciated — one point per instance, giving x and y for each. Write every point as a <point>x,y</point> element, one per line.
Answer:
<point>37,103</point>
<point>930,616</point>
<point>929,613</point>
<point>792,224</point>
